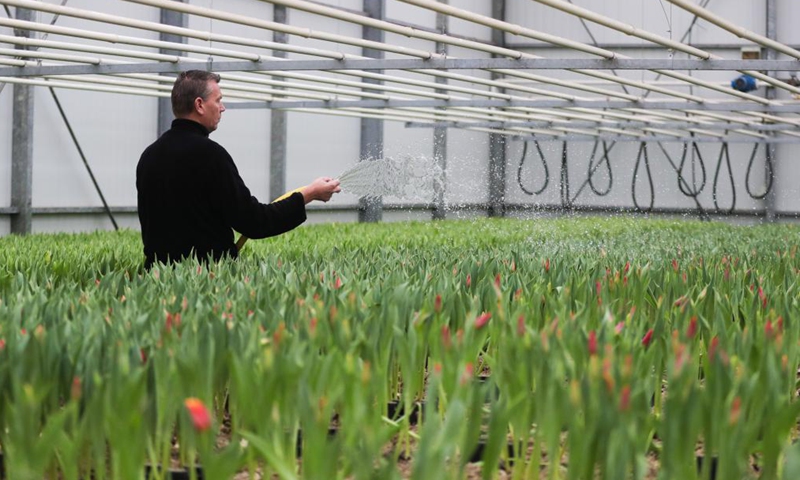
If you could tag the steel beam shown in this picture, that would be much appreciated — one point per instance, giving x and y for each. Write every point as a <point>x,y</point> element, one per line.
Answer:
<point>279,127</point>
<point>657,138</point>
<point>440,132</point>
<point>711,106</point>
<point>169,17</point>
<point>22,146</point>
<point>771,198</point>
<point>497,142</point>
<point>587,124</point>
<point>408,64</point>
<point>371,209</point>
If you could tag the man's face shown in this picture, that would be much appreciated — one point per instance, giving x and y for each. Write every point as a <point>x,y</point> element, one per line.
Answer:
<point>211,108</point>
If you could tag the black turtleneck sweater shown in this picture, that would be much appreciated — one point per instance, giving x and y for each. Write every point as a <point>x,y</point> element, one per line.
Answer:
<point>191,197</point>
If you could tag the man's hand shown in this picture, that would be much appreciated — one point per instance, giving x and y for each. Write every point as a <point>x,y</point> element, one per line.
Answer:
<point>321,189</point>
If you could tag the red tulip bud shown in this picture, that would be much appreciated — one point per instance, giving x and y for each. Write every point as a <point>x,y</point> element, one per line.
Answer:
<point>648,338</point>
<point>692,330</point>
<point>201,418</point>
<point>437,304</point>
<point>592,343</point>
<point>625,398</point>
<point>736,411</point>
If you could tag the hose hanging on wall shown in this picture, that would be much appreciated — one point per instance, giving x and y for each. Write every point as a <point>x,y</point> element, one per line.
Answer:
<point>683,185</point>
<point>643,155</point>
<point>770,173</point>
<point>700,210</point>
<point>592,169</point>
<point>544,164</point>
<point>724,151</point>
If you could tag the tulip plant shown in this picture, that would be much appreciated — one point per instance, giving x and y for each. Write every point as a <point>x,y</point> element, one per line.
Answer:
<point>560,349</point>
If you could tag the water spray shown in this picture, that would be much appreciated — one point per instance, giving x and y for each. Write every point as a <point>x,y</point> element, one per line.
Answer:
<point>406,176</point>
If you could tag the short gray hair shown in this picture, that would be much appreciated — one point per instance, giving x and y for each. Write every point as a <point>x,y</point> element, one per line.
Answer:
<point>188,86</point>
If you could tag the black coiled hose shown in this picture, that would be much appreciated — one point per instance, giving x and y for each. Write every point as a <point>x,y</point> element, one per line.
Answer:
<point>770,173</point>
<point>643,156</point>
<point>723,151</point>
<point>522,162</point>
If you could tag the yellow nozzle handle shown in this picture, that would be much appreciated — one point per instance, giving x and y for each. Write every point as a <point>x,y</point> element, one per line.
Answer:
<point>240,243</point>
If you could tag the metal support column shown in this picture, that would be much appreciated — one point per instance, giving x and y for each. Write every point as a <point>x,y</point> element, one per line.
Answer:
<point>440,133</point>
<point>371,209</point>
<point>169,17</point>
<point>22,145</point>
<point>278,122</point>
<point>771,199</point>
<point>497,143</point>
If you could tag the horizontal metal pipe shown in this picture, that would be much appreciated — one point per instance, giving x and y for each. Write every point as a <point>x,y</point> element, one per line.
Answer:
<point>634,124</point>
<point>281,27</point>
<point>173,30</point>
<point>50,56</point>
<point>77,47</point>
<point>142,42</point>
<point>666,42</point>
<point>735,29</point>
<point>510,27</point>
<point>727,106</point>
<point>386,26</point>
<point>625,28</point>
<point>422,66</point>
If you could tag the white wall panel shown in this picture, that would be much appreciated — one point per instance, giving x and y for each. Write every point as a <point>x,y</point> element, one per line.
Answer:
<point>321,145</point>
<point>245,134</point>
<point>471,29</point>
<point>396,10</point>
<point>788,11</point>
<point>112,129</point>
<point>467,167</point>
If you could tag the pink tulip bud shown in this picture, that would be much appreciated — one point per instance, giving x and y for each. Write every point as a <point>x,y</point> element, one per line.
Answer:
<point>482,320</point>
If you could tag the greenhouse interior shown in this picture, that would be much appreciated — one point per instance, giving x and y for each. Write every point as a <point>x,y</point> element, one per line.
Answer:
<point>399,239</point>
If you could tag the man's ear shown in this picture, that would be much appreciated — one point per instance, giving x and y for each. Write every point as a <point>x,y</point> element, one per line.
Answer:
<point>198,105</point>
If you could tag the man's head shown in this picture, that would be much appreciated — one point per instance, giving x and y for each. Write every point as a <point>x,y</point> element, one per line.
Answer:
<point>196,96</point>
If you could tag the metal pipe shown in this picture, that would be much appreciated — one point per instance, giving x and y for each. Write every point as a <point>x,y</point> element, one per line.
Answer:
<point>666,42</point>
<point>375,24</point>
<point>391,27</point>
<point>77,47</point>
<point>179,31</point>
<point>279,27</point>
<point>142,42</point>
<point>735,29</point>
<point>510,28</point>
<point>50,56</point>
<point>506,26</point>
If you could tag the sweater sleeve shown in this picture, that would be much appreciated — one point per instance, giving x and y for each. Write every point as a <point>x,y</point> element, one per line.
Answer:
<point>245,214</point>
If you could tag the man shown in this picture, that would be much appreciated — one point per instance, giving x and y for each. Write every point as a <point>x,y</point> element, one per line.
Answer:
<point>190,194</point>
